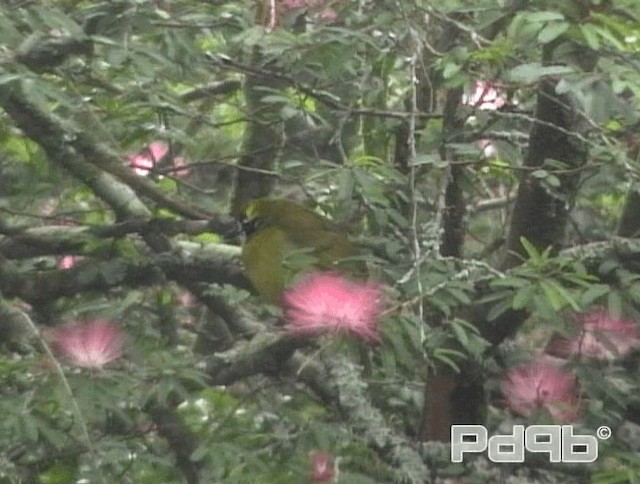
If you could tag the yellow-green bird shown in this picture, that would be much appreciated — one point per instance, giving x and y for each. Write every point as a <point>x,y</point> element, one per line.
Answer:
<point>284,239</point>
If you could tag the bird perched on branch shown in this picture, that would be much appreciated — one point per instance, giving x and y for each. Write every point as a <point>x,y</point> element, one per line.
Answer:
<point>284,239</point>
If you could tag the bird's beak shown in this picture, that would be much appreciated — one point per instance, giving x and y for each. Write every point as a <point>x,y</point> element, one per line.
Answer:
<point>237,234</point>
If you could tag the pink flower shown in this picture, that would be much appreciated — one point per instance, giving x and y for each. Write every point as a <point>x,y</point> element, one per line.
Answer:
<point>487,147</point>
<point>89,344</point>
<point>144,161</point>
<point>68,261</point>
<point>328,15</point>
<point>485,95</point>
<point>329,303</point>
<point>186,299</point>
<point>186,303</point>
<point>539,385</point>
<point>322,467</point>
<point>601,337</point>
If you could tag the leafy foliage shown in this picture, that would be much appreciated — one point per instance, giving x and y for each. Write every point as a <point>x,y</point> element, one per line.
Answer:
<point>411,124</point>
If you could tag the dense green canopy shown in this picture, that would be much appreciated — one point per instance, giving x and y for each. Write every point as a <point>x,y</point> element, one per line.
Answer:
<point>483,154</point>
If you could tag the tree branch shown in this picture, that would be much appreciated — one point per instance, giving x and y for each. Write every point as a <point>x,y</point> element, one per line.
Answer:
<point>67,146</point>
<point>25,242</point>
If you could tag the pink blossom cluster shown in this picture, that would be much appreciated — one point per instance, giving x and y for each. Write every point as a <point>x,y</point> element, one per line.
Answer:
<point>327,302</point>
<point>485,95</point>
<point>542,386</point>
<point>600,337</point>
<point>89,344</point>
<point>144,161</point>
<point>322,467</point>
<point>68,261</point>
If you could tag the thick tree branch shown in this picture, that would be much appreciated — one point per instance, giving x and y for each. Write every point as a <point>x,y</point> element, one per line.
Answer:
<point>346,392</point>
<point>453,222</point>
<point>25,242</point>
<point>67,146</point>
<point>50,134</point>
<point>216,263</point>
<point>211,89</point>
<point>540,212</point>
<point>43,55</point>
<point>629,224</point>
<point>268,358</point>
<point>182,442</point>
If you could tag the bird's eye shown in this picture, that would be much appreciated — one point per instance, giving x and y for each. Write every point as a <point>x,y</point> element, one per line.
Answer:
<point>250,225</point>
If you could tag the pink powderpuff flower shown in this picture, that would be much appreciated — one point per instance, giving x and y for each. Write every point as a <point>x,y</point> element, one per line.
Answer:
<point>540,385</point>
<point>601,337</point>
<point>89,344</point>
<point>322,467</point>
<point>144,161</point>
<point>485,96</point>
<point>326,302</point>
<point>68,261</point>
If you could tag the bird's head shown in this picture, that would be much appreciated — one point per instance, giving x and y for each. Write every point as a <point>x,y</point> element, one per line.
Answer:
<point>256,215</point>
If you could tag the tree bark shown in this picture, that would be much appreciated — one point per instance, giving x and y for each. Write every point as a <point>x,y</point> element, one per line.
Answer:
<point>540,215</point>
<point>629,225</point>
<point>540,212</point>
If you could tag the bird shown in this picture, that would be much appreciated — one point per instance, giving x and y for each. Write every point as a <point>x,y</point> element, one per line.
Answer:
<point>284,240</point>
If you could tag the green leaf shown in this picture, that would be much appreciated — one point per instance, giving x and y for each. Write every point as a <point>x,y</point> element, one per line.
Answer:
<point>545,16</point>
<point>553,296</point>
<point>441,304</point>
<point>569,299</point>
<point>447,356</point>
<point>10,36</point>
<point>200,453</point>
<point>552,31</point>
<point>460,333</point>
<point>614,303</point>
<point>613,40</point>
<point>450,70</point>
<point>608,266</point>
<point>594,292</point>
<point>208,238</point>
<point>533,71</point>
<point>496,296</point>
<point>523,296</point>
<point>428,159</point>
<point>459,295</point>
<point>511,282</point>
<point>634,292</point>
<point>590,34</point>
<point>27,427</point>
<point>540,173</point>
<point>498,310</point>
<point>57,20</point>
<point>531,251</point>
